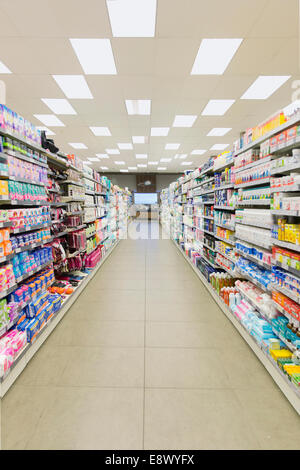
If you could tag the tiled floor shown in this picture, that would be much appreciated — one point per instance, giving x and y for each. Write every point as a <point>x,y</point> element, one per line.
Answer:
<point>146,359</point>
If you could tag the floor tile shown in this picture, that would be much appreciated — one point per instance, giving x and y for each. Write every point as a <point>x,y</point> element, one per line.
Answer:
<point>195,419</point>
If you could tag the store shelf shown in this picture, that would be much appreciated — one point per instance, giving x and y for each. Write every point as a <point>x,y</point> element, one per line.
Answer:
<point>255,202</point>
<point>290,246</point>
<point>213,265</point>
<point>254,260</point>
<point>291,270</point>
<point>282,382</point>
<point>257,242</point>
<point>285,169</point>
<point>224,208</point>
<point>286,189</point>
<point>254,224</point>
<point>286,292</point>
<point>254,281</point>
<point>224,166</point>
<point>229,242</point>
<point>253,164</point>
<point>225,186</point>
<point>31,348</point>
<point>204,217</point>
<point>286,213</point>
<point>76,183</point>
<point>231,273</point>
<point>228,227</point>
<point>207,232</point>
<point>258,182</point>
<point>34,271</point>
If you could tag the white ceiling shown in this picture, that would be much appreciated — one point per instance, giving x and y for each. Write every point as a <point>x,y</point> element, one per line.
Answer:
<point>34,38</point>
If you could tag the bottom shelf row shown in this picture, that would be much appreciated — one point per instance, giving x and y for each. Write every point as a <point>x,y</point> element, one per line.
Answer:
<point>258,318</point>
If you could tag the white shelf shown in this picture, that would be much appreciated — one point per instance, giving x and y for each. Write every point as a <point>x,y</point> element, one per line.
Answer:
<point>224,208</point>
<point>229,242</point>
<point>253,164</point>
<point>260,243</point>
<point>254,224</point>
<point>258,182</point>
<point>290,246</point>
<point>283,383</point>
<point>255,202</point>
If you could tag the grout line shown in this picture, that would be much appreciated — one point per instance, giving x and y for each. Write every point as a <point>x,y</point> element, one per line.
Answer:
<point>144,391</point>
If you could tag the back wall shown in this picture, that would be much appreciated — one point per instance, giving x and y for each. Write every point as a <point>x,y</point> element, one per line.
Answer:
<point>129,180</point>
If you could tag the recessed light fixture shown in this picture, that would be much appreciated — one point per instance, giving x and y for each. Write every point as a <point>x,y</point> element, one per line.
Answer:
<point>187,163</point>
<point>165,160</point>
<point>93,159</point>
<point>152,163</point>
<point>49,120</point>
<point>59,106</point>
<point>141,156</point>
<point>172,146</point>
<point>219,131</point>
<point>182,156</point>
<point>74,86</point>
<point>3,68</point>
<point>214,56</point>
<point>141,165</point>
<point>132,168</point>
<point>78,145</point>
<point>44,128</point>
<point>100,131</point>
<point>198,152</point>
<point>125,146</point>
<point>184,120</point>
<point>113,151</point>
<point>160,168</point>
<point>104,167</point>
<point>219,147</point>
<point>264,86</point>
<point>138,139</point>
<point>132,18</point>
<point>95,56</point>
<point>86,162</point>
<point>138,107</point>
<point>217,107</point>
<point>102,155</point>
<point>159,131</point>
<point>120,163</point>
<point>124,171</point>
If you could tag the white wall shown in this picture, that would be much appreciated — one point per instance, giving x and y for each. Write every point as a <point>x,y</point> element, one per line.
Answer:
<point>124,180</point>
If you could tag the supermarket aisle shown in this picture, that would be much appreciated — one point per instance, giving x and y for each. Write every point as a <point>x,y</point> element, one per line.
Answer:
<point>145,358</point>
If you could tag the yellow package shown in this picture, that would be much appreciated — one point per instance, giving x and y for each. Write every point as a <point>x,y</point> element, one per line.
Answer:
<point>3,188</point>
<point>277,353</point>
<point>291,369</point>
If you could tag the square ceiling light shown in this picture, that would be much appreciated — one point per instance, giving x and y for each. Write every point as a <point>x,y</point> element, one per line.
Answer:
<point>219,131</point>
<point>132,18</point>
<point>3,68</point>
<point>93,159</point>
<point>264,86</point>
<point>74,86</point>
<point>182,156</point>
<point>44,128</point>
<point>59,106</point>
<point>86,162</point>
<point>161,168</point>
<point>102,155</point>
<point>124,171</point>
<point>217,107</point>
<point>152,163</point>
<point>101,131</point>
<point>214,56</point>
<point>95,56</point>
<point>198,152</point>
<point>186,163</point>
<point>141,156</point>
<point>49,120</point>
<point>125,146</point>
<point>78,145</point>
<point>166,160</point>
<point>138,139</point>
<point>219,147</point>
<point>141,165</point>
<point>113,151</point>
<point>138,107</point>
<point>159,131</point>
<point>172,146</point>
<point>120,163</point>
<point>133,168</point>
<point>104,167</point>
<point>184,120</point>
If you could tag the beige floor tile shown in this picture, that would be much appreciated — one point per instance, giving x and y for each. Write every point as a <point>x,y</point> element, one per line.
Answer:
<point>104,367</point>
<point>104,283</point>
<point>191,335</point>
<point>196,419</point>
<point>91,418</point>
<point>185,368</point>
<point>105,296</point>
<point>207,311</point>
<point>171,296</point>
<point>115,310</point>
<point>113,334</point>
<point>22,408</point>
<point>167,283</point>
<point>273,420</point>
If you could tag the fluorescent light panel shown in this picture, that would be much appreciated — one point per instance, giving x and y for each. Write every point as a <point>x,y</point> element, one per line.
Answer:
<point>217,107</point>
<point>100,131</point>
<point>78,145</point>
<point>138,107</point>
<point>165,160</point>
<point>141,156</point>
<point>93,159</point>
<point>73,86</point>
<point>198,152</point>
<point>125,146</point>
<point>264,86</point>
<point>132,18</point>
<point>86,162</point>
<point>95,56</point>
<point>214,56</point>
<point>124,171</point>
<point>172,146</point>
<point>104,167</point>
<point>219,131</point>
<point>102,155</point>
<point>44,128</point>
<point>132,168</point>
<point>141,165</point>
<point>49,120</point>
<point>113,151</point>
<point>138,139</point>
<point>159,131</point>
<point>184,120</point>
<point>3,68</point>
<point>182,156</point>
<point>152,163</point>
<point>120,163</point>
<point>186,163</point>
<point>219,147</point>
<point>59,106</point>
<point>160,168</point>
